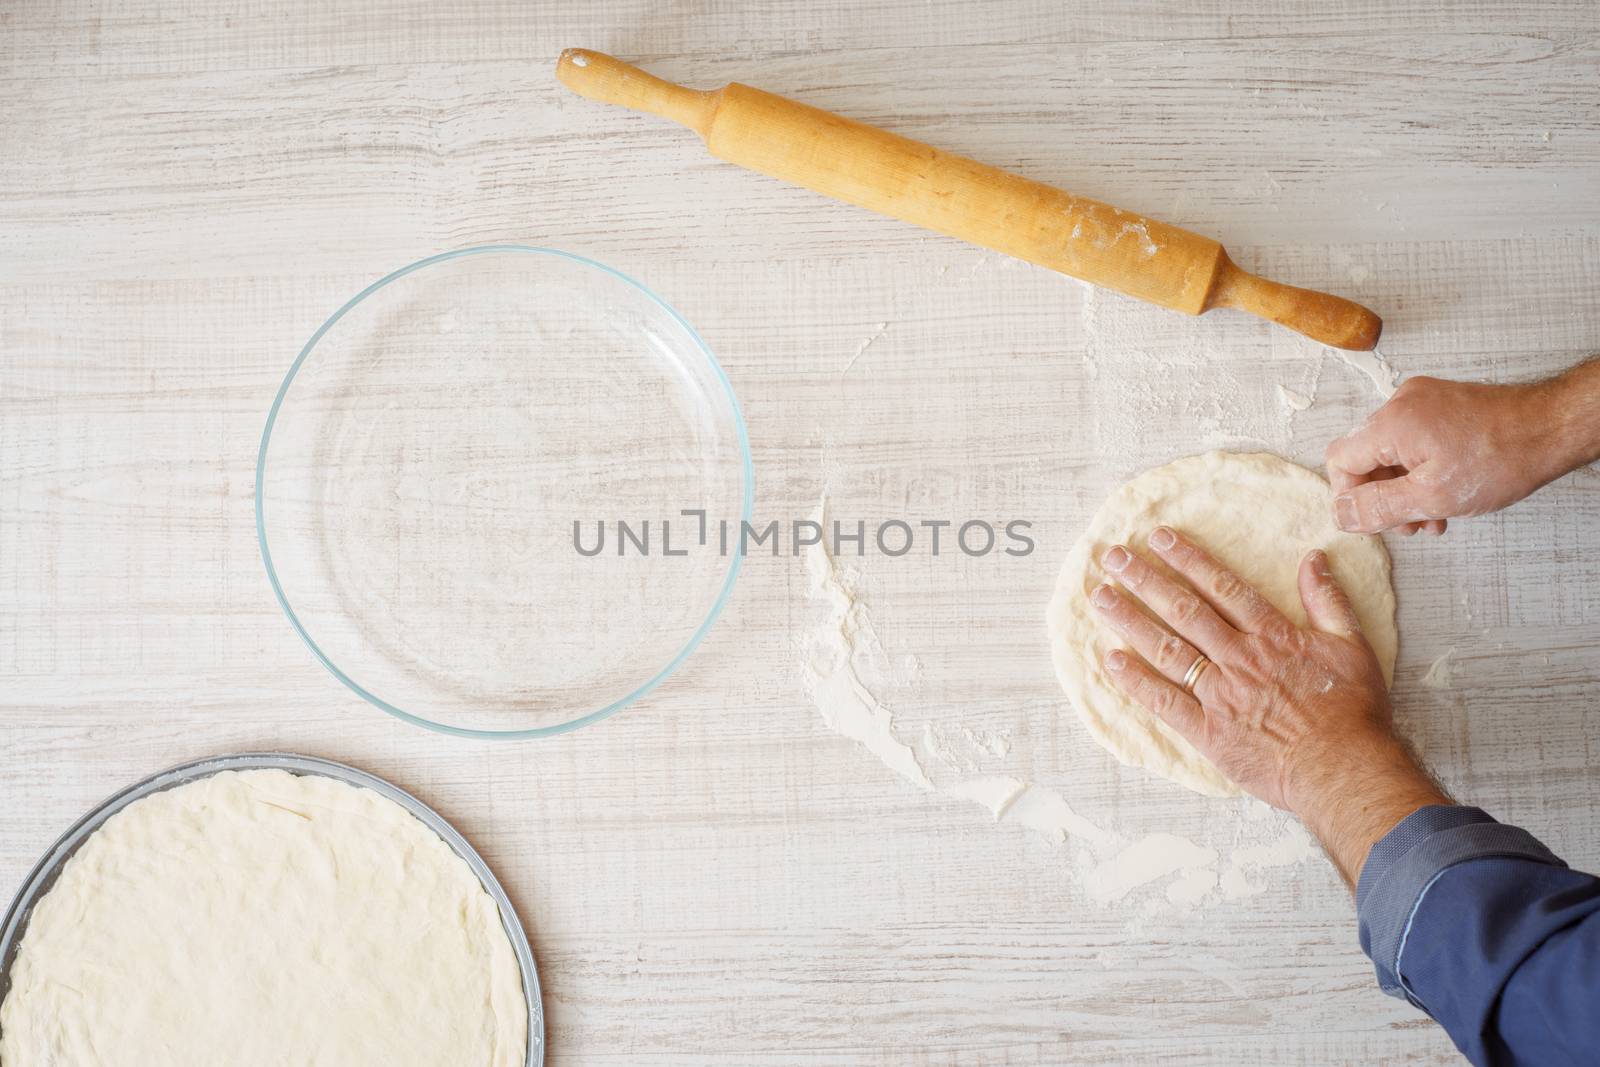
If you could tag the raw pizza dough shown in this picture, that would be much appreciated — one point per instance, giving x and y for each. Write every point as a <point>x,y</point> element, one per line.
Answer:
<point>258,917</point>
<point>1256,513</point>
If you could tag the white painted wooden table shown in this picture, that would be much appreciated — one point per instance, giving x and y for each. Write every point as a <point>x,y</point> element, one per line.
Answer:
<point>188,188</point>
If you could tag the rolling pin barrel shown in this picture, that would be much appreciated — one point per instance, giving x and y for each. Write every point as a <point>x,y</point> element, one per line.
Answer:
<point>962,198</point>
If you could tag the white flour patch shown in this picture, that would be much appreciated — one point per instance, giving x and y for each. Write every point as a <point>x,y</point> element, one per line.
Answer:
<point>1035,808</point>
<point>1046,812</point>
<point>1139,374</point>
<point>1292,400</point>
<point>1293,846</point>
<point>1259,811</point>
<point>996,793</point>
<point>1141,231</point>
<point>850,708</point>
<point>1442,674</point>
<point>1148,860</point>
<point>1191,886</point>
<point>845,703</point>
<point>878,331</point>
<point>963,748</point>
<point>996,743</point>
<point>937,744</point>
<point>1373,365</point>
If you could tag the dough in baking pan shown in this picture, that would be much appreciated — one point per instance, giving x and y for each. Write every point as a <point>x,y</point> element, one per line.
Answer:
<point>260,917</point>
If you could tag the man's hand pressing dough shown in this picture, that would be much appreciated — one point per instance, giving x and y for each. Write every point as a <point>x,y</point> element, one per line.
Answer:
<point>1298,717</point>
<point>1441,449</point>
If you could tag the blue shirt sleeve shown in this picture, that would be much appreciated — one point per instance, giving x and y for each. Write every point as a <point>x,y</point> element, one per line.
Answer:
<point>1483,928</point>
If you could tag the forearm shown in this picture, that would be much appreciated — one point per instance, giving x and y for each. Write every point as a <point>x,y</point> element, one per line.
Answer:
<point>1568,407</point>
<point>1356,793</point>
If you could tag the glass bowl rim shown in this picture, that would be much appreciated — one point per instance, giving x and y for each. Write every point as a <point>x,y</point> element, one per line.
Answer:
<point>747,505</point>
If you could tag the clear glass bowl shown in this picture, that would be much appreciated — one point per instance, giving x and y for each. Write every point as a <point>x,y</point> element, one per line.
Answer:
<point>444,446</point>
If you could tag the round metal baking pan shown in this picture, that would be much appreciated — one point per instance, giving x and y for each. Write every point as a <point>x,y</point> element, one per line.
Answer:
<point>44,874</point>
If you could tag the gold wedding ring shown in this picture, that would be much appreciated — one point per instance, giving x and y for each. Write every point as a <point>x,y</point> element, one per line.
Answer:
<point>1196,669</point>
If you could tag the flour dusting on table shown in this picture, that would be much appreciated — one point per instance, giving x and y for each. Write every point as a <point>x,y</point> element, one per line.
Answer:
<point>846,704</point>
<point>844,669</point>
<point>1441,674</point>
<point>1375,366</point>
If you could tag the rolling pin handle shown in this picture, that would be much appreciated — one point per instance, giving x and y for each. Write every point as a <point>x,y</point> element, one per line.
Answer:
<point>611,81</point>
<point>1323,317</point>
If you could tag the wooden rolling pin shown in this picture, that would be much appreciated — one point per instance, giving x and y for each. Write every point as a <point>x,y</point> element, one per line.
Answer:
<point>960,197</point>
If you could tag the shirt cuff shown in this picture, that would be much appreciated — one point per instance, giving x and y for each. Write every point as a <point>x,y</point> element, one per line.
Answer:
<point>1406,861</point>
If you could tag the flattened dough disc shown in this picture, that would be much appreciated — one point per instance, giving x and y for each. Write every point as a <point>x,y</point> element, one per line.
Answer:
<point>258,918</point>
<point>1258,514</point>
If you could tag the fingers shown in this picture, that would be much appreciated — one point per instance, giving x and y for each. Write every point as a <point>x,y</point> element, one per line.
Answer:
<point>1164,700</point>
<point>1361,457</point>
<point>1373,507</point>
<point>1372,455</point>
<point>1327,606</point>
<point>1361,451</point>
<point>1343,481</point>
<point>1179,608</point>
<point>1232,596</point>
<point>1170,654</point>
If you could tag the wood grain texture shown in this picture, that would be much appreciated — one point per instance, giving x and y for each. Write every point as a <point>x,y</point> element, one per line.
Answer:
<point>188,189</point>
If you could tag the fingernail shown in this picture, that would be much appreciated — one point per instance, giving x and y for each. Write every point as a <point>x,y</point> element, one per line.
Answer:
<point>1116,660</point>
<point>1103,597</point>
<point>1344,512</point>
<point>1319,562</point>
<point>1116,558</point>
<point>1162,538</point>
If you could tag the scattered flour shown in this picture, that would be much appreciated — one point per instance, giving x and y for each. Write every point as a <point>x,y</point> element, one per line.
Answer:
<point>1442,674</point>
<point>995,742</point>
<point>1292,847</point>
<point>963,749</point>
<point>1141,230</point>
<point>1374,366</point>
<point>877,332</point>
<point>1110,868</point>
<point>996,793</point>
<point>1046,812</point>
<point>936,744</point>
<point>846,704</point>
<point>1147,860</point>
<point>1292,400</point>
<point>1191,886</point>
<point>842,656</point>
<point>1140,373</point>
